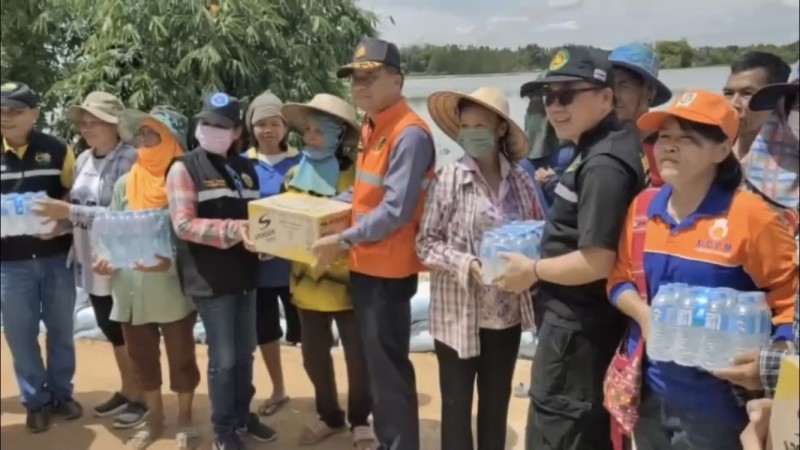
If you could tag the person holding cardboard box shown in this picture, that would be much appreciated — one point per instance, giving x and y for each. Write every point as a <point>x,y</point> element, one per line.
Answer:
<point>328,125</point>
<point>208,191</point>
<point>393,170</point>
<point>272,157</point>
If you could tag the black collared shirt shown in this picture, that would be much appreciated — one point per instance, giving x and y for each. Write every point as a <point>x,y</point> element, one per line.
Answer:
<point>589,210</point>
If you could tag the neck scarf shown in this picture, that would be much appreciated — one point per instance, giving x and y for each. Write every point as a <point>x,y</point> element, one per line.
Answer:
<point>318,170</point>
<point>146,183</point>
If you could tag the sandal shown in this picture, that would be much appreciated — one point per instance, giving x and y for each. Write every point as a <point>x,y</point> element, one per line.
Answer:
<point>364,438</point>
<point>142,439</point>
<point>317,432</point>
<point>272,406</point>
<point>187,439</point>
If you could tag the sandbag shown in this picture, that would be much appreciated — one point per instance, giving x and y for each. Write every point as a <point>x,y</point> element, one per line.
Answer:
<point>84,320</point>
<point>421,343</point>
<point>94,334</point>
<point>527,345</point>
<point>420,303</point>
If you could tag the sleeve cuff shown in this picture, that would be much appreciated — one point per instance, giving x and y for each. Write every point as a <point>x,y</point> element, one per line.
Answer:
<point>783,333</point>
<point>618,290</point>
<point>351,235</point>
<point>461,265</point>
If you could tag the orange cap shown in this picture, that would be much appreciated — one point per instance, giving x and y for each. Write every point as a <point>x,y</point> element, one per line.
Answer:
<point>696,106</point>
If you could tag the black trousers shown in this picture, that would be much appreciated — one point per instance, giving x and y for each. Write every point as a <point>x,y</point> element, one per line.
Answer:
<point>383,309</point>
<point>268,315</point>
<point>566,411</point>
<point>494,372</point>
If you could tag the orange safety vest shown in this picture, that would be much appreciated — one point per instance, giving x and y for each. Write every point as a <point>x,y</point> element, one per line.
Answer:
<point>396,255</point>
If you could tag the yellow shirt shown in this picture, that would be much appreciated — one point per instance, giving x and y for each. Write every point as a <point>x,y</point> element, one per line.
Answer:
<point>322,290</point>
<point>67,168</point>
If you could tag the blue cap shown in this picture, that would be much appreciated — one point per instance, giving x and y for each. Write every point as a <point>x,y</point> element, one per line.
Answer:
<point>642,60</point>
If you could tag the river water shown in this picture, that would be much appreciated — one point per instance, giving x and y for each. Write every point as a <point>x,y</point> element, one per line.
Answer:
<point>417,89</point>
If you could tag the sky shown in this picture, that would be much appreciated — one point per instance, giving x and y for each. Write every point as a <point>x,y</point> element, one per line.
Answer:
<point>602,23</point>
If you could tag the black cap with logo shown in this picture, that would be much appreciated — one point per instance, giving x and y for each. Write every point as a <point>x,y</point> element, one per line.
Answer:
<point>17,95</point>
<point>221,109</point>
<point>371,53</point>
<point>576,63</point>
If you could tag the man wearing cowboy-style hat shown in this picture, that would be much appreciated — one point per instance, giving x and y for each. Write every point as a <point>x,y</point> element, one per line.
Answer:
<point>37,284</point>
<point>579,329</point>
<point>395,165</point>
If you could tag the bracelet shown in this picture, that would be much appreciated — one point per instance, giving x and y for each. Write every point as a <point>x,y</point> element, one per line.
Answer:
<point>536,269</point>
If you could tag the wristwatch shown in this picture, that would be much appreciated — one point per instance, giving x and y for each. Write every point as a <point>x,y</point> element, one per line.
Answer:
<point>345,244</point>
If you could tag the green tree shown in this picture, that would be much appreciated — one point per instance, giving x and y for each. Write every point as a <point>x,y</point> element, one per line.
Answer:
<point>152,52</point>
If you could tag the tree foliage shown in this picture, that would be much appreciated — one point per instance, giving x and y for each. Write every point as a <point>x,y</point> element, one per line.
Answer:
<point>152,52</point>
<point>456,60</point>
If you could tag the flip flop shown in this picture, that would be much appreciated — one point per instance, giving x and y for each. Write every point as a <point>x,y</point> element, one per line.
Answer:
<point>270,406</point>
<point>187,439</point>
<point>317,432</point>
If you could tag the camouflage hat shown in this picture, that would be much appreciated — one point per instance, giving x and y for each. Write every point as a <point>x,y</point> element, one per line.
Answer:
<point>178,124</point>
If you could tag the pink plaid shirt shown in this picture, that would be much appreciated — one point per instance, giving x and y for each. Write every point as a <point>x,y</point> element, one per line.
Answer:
<point>459,208</point>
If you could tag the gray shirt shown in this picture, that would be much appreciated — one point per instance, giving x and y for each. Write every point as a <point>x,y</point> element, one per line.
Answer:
<point>414,154</point>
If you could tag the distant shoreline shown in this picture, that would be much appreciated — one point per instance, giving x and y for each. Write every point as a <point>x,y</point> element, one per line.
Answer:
<point>422,76</point>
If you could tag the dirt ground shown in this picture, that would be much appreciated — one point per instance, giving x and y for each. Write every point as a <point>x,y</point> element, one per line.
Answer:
<point>96,379</point>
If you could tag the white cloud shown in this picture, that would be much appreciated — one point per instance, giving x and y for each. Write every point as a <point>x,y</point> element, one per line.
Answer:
<point>603,23</point>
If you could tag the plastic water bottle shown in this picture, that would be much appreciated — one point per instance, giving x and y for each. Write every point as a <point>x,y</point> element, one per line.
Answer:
<point>97,236</point>
<point>690,326</point>
<point>662,320</point>
<point>5,216</point>
<point>487,256</point>
<point>42,224</point>
<point>744,324</point>
<point>716,353</point>
<point>765,318</point>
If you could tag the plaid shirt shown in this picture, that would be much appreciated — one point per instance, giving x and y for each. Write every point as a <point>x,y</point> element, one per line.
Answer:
<point>770,358</point>
<point>449,239</point>
<point>182,196</point>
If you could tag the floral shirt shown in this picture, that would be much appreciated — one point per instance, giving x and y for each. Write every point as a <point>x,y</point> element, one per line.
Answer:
<point>459,208</point>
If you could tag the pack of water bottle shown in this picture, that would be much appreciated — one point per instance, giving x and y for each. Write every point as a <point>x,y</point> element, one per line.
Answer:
<point>18,218</point>
<point>124,238</point>
<point>705,327</point>
<point>522,236</point>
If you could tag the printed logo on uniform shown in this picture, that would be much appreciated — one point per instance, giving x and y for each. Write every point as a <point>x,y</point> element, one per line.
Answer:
<point>248,182</point>
<point>9,87</point>
<point>379,146</point>
<point>215,184</point>
<point>719,230</point>
<point>685,100</point>
<point>42,158</point>
<point>559,60</point>
<point>361,51</point>
<point>219,100</point>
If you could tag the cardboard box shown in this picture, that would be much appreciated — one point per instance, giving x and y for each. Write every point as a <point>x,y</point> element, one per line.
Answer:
<point>785,418</point>
<point>287,225</point>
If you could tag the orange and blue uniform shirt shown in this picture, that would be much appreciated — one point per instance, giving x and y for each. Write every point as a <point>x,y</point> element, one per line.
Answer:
<point>733,240</point>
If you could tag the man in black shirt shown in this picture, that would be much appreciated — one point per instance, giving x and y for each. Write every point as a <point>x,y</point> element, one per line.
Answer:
<point>577,327</point>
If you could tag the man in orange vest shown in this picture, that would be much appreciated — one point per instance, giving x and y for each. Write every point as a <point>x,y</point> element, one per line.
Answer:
<point>395,165</point>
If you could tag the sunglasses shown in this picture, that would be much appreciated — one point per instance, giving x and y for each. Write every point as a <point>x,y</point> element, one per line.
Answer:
<point>565,97</point>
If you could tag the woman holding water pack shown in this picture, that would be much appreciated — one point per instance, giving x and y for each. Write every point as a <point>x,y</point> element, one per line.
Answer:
<point>148,300</point>
<point>701,230</point>
<point>476,327</point>
<point>96,171</point>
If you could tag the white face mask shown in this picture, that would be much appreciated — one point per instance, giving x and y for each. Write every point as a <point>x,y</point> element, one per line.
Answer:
<point>794,123</point>
<point>214,140</point>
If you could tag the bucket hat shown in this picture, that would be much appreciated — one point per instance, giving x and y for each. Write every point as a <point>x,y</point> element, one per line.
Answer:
<point>643,61</point>
<point>177,124</point>
<point>106,107</point>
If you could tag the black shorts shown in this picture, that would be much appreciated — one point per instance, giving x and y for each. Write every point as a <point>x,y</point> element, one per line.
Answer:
<point>268,315</point>
<point>102,314</point>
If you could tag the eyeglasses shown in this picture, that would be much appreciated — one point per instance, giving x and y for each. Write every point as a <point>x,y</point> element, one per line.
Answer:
<point>565,97</point>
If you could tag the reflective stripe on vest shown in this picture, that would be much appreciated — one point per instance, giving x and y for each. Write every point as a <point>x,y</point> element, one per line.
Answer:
<point>213,194</point>
<point>30,174</point>
<point>396,255</point>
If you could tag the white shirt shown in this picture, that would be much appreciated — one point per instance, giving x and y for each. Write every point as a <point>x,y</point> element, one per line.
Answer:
<point>86,192</point>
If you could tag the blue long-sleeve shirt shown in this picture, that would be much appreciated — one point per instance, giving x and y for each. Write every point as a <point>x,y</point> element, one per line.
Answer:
<point>413,156</point>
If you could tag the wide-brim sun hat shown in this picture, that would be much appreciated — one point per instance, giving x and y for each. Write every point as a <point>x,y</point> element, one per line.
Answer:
<point>443,108</point>
<point>297,114</point>
<point>178,125</point>
<point>106,107</point>
<point>767,97</point>
<point>643,61</point>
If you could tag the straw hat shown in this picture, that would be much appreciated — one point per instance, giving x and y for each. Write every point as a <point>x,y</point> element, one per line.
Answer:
<point>443,108</point>
<point>106,107</point>
<point>296,114</point>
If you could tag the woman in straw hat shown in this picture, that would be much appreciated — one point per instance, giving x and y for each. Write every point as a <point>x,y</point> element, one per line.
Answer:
<point>148,301</point>
<point>96,171</point>
<point>272,157</point>
<point>476,328</point>
<point>328,125</point>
